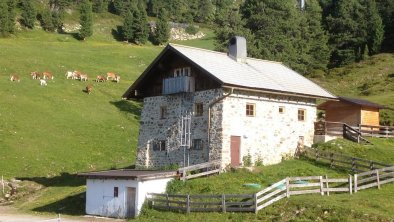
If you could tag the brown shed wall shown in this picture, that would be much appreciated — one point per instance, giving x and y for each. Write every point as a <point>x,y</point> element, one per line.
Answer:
<point>343,112</point>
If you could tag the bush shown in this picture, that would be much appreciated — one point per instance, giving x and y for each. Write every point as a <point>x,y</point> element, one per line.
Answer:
<point>247,160</point>
<point>191,29</point>
<point>174,186</point>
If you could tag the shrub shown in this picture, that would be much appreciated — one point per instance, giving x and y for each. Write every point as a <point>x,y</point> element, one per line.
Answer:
<point>191,29</point>
<point>247,160</point>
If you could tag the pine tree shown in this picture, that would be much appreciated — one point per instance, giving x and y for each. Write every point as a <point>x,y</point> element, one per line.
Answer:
<point>28,13</point>
<point>386,10</point>
<point>11,15</point>
<point>162,31</point>
<point>128,28</point>
<point>205,11</point>
<point>374,27</point>
<point>86,20</point>
<point>141,29</point>
<point>46,21</point>
<point>4,27</point>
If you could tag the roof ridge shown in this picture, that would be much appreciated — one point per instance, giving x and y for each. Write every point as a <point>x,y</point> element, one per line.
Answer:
<point>217,52</point>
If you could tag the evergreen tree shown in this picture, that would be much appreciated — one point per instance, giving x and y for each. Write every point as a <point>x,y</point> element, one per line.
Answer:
<point>205,11</point>
<point>386,10</point>
<point>141,28</point>
<point>374,27</point>
<point>128,28</point>
<point>86,20</point>
<point>57,9</point>
<point>11,15</point>
<point>46,21</point>
<point>4,27</point>
<point>28,13</point>
<point>162,31</point>
<point>99,6</point>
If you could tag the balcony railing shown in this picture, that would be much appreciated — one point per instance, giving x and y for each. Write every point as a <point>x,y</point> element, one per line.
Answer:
<point>178,85</point>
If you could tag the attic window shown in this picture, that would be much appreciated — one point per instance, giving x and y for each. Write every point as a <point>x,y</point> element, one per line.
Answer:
<point>116,191</point>
<point>159,145</point>
<point>198,109</point>
<point>163,112</point>
<point>281,109</point>
<point>185,71</point>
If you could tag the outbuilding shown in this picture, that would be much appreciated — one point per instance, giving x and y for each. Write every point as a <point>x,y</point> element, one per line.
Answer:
<point>121,193</point>
<point>352,111</point>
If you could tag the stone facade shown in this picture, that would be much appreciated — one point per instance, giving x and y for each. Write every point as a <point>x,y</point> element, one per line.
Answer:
<point>268,136</point>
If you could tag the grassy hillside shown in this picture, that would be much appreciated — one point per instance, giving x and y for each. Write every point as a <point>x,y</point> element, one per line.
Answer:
<point>371,79</point>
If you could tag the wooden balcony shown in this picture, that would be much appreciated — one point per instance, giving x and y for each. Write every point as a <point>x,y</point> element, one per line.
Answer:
<point>179,84</point>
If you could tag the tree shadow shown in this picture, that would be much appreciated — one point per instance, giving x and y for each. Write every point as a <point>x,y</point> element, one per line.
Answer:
<point>117,33</point>
<point>391,75</point>
<point>72,205</point>
<point>62,180</point>
<point>130,107</point>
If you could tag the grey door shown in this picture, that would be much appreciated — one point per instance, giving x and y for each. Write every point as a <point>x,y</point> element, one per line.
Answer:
<point>130,202</point>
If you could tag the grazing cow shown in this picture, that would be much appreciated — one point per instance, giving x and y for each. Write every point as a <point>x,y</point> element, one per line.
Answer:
<point>89,89</point>
<point>100,79</point>
<point>47,75</point>
<point>35,75</point>
<point>117,79</point>
<point>15,77</point>
<point>77,75</point>
<point>111,75</point>
<point>84,77</point>
<point>43,82</point>
<point>69,74</point>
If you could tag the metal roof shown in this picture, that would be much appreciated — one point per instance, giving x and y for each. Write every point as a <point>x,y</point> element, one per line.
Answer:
<point>253,73</point>
<point>361,102</point>
<point>128,174</point>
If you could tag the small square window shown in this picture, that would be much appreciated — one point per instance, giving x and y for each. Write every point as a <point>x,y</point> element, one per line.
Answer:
<point>186,71</point>
<point>198,109</point>
<point>250,109</point>
<point>281,109</point>
<point>163,112</point>
<point>301,114</point>
<point>197,144</point>
<point>116,191</point>
<point>159,145</point>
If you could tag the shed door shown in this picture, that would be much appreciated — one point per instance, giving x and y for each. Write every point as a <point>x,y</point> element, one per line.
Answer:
<point>235,147</point>
<point>130,202</point>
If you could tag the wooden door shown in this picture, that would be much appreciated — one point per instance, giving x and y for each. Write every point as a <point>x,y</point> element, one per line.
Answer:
<point>130,202</point>
<point>235,150</point>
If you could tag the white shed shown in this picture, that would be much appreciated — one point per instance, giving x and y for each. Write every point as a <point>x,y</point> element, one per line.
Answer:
<point>121,193</point>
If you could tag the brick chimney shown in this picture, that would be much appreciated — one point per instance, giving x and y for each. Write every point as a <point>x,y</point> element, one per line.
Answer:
<point>237,49</point>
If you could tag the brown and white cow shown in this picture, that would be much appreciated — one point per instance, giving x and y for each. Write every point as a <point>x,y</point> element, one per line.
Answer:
<point>117,79</point>
<point>69,74</point>
<point>83,77</point>
<point>89,89</point>
<point>35,75</point>
<point>15,77</point>
<point>101,79</point>
<point>111,75</point>
<point>77,75</point>
<point>47,75</point>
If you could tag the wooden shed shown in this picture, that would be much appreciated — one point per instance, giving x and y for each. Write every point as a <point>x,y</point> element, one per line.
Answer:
<point>352,111</point>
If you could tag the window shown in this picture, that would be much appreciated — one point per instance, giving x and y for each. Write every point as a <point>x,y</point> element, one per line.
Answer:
<point>197,144</point>
<point>159,145</point>
<point>163,112</point>
<point>198,109</point>
<point>116,191</point>
<point>186,71</point>
<point>250,109</point>
<point>301,114</point>
<point>281,109</point>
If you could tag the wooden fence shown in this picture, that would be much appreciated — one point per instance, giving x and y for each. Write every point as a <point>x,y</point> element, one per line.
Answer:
<point>199,170</point>
<point>344,161</point>
<point>374,178</point>
<point>376,131</point>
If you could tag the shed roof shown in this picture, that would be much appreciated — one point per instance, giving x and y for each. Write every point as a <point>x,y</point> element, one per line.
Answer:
<point>357,102</point>
<point>128,174</point>
<point>253,73</point>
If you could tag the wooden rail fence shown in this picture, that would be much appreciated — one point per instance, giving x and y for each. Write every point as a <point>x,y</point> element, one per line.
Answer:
<point>339,129</point>
<point>373,178</point>
<point>377,131</point>
<point>344,161</point>
<point>199,170</point>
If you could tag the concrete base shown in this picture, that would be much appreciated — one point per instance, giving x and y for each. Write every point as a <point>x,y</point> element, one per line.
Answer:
<point>323,138</point>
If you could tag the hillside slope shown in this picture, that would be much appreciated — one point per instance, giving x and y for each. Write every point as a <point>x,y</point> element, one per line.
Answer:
<point>371,79</point>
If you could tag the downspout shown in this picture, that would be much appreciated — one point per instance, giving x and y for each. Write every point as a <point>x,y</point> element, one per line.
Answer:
<point>209,115</point>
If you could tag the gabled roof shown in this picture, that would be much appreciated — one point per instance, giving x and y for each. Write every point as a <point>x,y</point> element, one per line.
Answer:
<point>361,102</point>
<point>128,174</point>
<point>353,101</point>
<point>253,74</point>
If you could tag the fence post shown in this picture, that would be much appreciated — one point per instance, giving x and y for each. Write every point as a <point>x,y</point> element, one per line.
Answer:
<point>371,165</point>
<point>168,202</point>
<point>2,183</point>
<point>321,186</point>
<point>350,184</point>
<point>353,164</point>
<point>224,203</point>
<point>188,204</point>
<point>355,183</point>
<point>377,178</point>
<point>327,191</point>
<point>255,203</point>
<point>287,188</point>
<point>331,159</point>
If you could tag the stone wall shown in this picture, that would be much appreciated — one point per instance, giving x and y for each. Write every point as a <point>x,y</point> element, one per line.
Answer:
<point>269,136</point>
<point>153,129</point>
